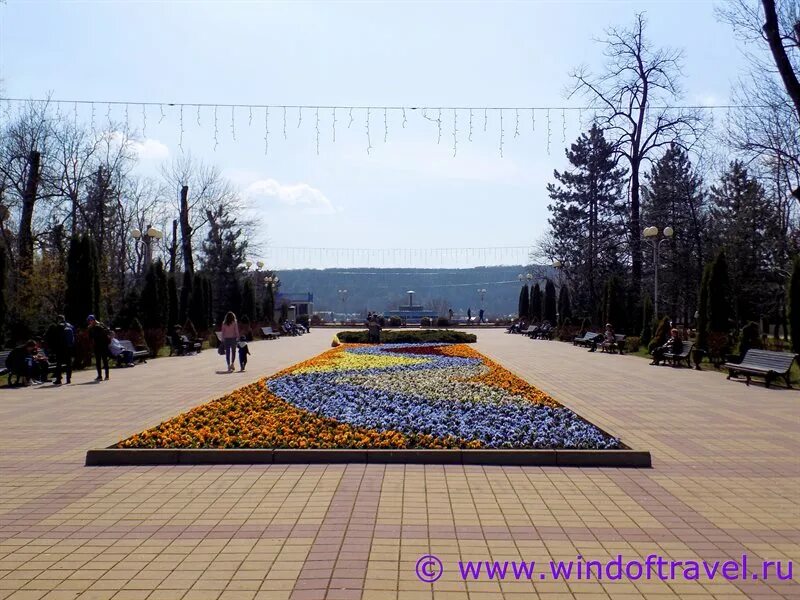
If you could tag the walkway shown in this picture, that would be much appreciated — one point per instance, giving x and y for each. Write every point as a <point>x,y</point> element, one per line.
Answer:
<point>726,481</point>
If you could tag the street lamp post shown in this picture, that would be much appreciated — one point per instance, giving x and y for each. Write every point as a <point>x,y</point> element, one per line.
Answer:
<point>147,237</point>
<point>657,238</point>
<point>343,299</point>
<point>558,266</point>
<point>482,292</point>
<point>269,282</point>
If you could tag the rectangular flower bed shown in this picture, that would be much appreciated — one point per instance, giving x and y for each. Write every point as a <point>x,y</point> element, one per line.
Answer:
<point>401,397</point>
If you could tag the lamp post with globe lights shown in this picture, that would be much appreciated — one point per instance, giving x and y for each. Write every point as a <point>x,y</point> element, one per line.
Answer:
<point>343,300</point>
<point>656,238</point>
<point>148,237</point>
<point>270,281</point>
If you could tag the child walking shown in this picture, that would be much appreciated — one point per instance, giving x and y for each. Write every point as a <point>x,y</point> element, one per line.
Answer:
<point>243,352</point>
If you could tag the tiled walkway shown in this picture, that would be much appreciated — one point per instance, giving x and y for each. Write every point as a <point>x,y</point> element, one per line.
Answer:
<point>726,481</point>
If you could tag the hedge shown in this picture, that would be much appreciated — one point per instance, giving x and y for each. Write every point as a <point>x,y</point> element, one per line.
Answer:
<point>411,336</point>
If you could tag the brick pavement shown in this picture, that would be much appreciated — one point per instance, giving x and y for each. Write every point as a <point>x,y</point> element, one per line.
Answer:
<point>726,480</point>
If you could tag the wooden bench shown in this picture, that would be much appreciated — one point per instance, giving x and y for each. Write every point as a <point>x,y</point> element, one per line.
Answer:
<point>685,354</point>
<point>268,334</point>
<point>184,345</point>
<point>763,363</point>
<point>588,338</point>
<point>618,345</point>
<point>544,333</point>
<point>51,368</point>
<point>140,354</point>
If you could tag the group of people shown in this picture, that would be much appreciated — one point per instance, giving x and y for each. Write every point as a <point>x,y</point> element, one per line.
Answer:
<point>33,360</point>
<point>469,316</point>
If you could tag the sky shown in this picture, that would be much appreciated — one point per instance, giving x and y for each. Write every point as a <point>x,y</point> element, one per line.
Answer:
<point>418,187</point>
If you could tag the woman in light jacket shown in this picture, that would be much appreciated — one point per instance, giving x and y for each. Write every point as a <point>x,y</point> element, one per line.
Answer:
<point>230,337</point>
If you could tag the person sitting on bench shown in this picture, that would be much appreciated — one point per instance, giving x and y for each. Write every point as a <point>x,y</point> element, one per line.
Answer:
<point>608,338</point>
<point>118,351</point>
<point>674,345</point>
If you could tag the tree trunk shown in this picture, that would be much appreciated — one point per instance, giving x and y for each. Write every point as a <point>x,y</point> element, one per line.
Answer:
<point>173,249</point>
<point>782,62</point>
<point>636,237</point>
<point>186,232</point>
<point>25,240</point>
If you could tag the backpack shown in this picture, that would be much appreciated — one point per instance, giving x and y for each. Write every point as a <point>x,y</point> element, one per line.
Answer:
<point>68,336</point>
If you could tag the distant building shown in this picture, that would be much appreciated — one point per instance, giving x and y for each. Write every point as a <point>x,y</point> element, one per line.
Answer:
<point>303,304</point>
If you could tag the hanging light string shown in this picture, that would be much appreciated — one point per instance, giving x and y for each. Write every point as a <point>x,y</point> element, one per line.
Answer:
<point>431,114</point>
<point>300,107</point>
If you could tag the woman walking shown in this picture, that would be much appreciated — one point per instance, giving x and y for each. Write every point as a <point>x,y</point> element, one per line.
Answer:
<point>230,338</point>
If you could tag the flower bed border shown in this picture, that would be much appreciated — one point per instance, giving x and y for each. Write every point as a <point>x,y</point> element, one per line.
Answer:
<point>122,457</point>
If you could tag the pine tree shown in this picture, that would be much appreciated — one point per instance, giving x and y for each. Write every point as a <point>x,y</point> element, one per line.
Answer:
<point>535,311</point>
<point>269,304</point>
<point>614,307</point>
<point>793,302</point>
<point>82,294</point>
<point>647,321</point>
<point>550,302</point>
<point>719,298</point>
<point>587,218</point>
<point>172,304</point>
<point>3,305</point>
<point>153,301</point>
<point>564,305</point>
<point>740,217</point>
<point>523,306</point>
<point>249,299</point>
<point>702,308</point>
<point>187,288</point>
<point>224,248</point>
<point>673,197</point>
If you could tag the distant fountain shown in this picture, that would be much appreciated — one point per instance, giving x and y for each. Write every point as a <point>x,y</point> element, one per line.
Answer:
<point>411,313</point>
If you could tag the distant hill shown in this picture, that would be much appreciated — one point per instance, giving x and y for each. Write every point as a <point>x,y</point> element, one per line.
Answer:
<point>384,289</point>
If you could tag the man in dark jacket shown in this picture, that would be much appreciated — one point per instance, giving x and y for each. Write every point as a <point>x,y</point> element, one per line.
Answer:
<point>60,340</point>
<point>99,335</point>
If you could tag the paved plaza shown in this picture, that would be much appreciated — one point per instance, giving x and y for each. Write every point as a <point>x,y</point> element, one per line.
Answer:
<point>725,482</point>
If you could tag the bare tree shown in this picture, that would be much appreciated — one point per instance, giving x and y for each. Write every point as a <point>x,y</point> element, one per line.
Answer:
<point>634,99</point>
<point>769,125</point>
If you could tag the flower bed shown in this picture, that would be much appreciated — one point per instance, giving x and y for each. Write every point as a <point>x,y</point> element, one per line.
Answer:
<point>382,396</point>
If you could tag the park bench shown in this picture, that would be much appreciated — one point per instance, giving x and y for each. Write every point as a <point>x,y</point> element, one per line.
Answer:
<point>184,345</point>
<point>676,358</point>
<point>268,334</point>
<point>139,354</point>
<point>51,368</point>
<point>618,345</point>
<point>530,330</point>
<point>545,333</point>
<point>763,363</point>
<point>587,338</point>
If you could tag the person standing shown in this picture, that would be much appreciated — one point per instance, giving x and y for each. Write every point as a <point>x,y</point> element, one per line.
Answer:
<point>469,315</point>
<point>230,338</point>
<point>100,337</point>
<point>480,316</point>
<point>61,342</point>
<point>244,351</point>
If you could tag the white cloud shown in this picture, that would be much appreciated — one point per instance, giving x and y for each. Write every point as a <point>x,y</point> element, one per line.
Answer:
<point>298,196</point>
<point>150,149</point>
<point>145,149</point>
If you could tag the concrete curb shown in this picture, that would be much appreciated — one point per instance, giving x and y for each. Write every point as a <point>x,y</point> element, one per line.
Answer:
<point>125,457</point>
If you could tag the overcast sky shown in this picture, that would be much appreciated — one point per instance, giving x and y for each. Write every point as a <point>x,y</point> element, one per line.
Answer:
<point>410,191</point>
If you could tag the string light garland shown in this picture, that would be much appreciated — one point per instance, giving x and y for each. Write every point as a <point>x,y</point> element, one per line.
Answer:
<point>266,131</point>
<point>425,112</point>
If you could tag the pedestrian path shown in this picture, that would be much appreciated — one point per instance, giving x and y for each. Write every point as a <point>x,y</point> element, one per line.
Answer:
<point>726,481</point>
